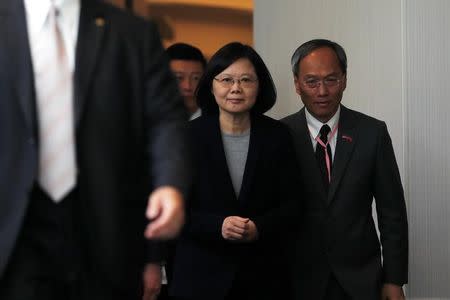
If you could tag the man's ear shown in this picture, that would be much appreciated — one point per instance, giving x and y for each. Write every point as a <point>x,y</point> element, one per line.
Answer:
<point>297,85</point>
<point>344,83</point>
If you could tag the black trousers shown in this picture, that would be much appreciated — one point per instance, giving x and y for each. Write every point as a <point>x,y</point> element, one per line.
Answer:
<point>164,294</point>
<point>244,287</point>
<point>49,261</point>
<point>334,290</point>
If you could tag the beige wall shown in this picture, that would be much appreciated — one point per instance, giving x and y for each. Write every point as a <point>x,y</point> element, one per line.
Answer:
<point>207,24</point>
<point>206,27</point>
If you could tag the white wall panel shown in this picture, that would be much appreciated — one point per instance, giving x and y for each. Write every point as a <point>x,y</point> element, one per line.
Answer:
<point>370,32</point>
<point>427,86</point>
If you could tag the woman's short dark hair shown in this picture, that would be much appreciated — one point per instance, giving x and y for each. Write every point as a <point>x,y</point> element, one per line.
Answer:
<point>308,47</point>
<point>221,60</point>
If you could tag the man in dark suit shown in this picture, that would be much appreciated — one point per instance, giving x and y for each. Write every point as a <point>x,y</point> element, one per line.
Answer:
<point>188,64</point>
<point>79,234</point>
<point>346,159</point>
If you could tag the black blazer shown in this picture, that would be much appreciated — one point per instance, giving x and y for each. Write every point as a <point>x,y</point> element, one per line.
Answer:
<point>205,264</point>
<point>338,233</point>
<point>130,133</point>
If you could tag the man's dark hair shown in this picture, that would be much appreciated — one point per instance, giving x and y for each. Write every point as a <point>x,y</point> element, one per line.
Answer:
<point>183,51</point>
<point>308,47</point>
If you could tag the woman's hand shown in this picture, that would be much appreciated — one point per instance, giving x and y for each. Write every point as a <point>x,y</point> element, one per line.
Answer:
<point>239,229</point>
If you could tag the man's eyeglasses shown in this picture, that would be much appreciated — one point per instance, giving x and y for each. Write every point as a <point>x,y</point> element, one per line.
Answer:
<point>244,81</point>
<point>313,83</point>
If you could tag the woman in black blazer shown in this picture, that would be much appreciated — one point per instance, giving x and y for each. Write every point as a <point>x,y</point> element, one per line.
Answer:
<point>240,216</point>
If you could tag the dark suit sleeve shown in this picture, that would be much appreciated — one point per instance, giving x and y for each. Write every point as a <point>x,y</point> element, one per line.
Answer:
<point>166,119</point>
<point>200,224</point>
<point>391,211</point>
<point>205,226</point>
<point>166,128</point>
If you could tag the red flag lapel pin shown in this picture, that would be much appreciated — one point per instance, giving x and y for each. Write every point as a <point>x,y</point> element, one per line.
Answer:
<point>347,138</point>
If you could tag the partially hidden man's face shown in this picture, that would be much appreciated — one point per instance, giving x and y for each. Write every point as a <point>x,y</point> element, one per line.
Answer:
<point>320,83</point>
<point>188,73</point>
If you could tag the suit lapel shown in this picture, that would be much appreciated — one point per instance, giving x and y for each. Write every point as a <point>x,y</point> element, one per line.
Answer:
<point>346,141</point>
<point>252,158</point>
<point>305,153</point>
<point>92,26</point>
<point>15,57</point>
<point>218,160</point>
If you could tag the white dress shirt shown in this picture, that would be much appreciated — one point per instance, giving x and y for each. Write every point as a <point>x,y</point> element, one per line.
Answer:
<point>196,114</point>
<point>314,126</point>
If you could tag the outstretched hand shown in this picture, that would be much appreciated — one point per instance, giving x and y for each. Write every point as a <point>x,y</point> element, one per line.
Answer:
<point>165,210</point>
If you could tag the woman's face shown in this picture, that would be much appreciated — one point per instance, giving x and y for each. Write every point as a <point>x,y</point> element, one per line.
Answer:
<point>236,88</point>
